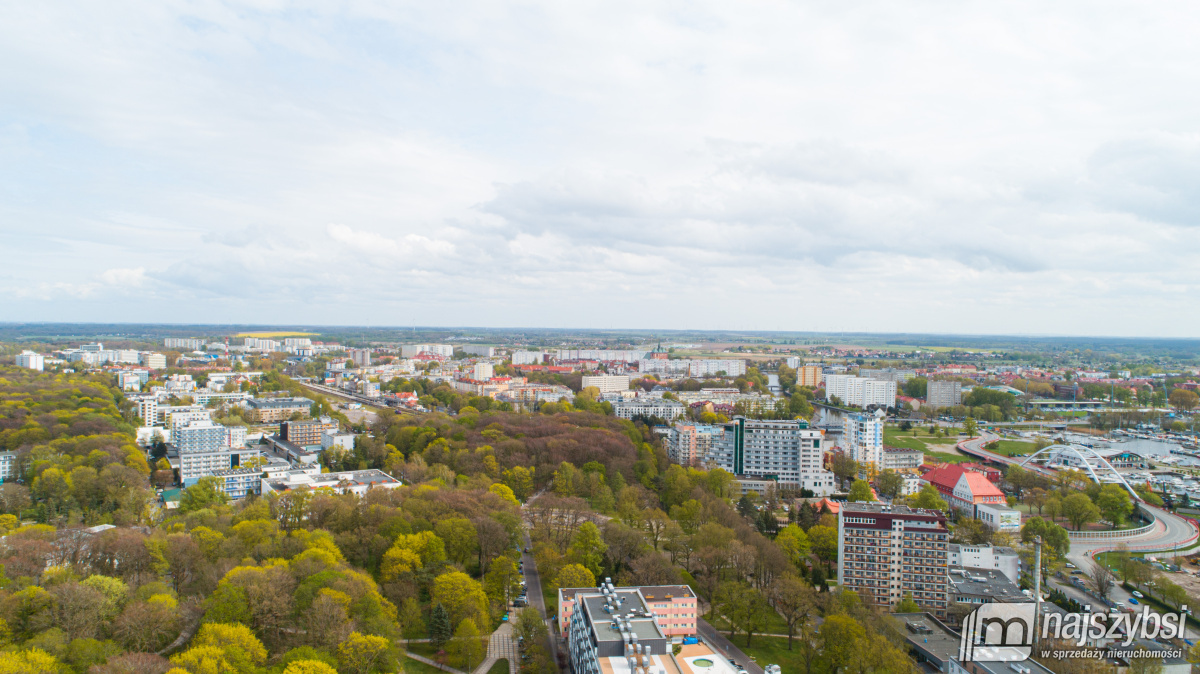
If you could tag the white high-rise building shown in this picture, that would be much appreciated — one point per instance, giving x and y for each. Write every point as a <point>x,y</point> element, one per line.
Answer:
<point>528,357</point>
<point>148,410</point>
<point>183,343</point>
<point>361,357</point>
<point>707,368</point>
<point>860,392</point>
<point>607,383</point>
<point>410,350</point>
<point>788,451</point>
<point>483,371</point>
<point>479,350</point>
<point>154,361</point>
<point>31,360</point>
<point>862,438</point>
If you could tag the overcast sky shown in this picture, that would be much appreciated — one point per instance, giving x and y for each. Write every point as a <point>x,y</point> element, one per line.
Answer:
<point>920,166</point>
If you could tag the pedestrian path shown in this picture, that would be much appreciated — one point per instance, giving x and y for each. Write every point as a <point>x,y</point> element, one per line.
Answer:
<point>431,663</point>
<point>501,645</point>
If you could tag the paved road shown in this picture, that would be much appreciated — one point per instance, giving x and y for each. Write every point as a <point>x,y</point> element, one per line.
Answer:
<point>533,582</point>
<point>722,646</point>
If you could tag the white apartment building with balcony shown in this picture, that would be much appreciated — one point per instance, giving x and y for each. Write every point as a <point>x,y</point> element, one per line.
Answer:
<point>860,392</point>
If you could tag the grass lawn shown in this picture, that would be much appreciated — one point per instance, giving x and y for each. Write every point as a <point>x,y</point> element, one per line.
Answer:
<point>423,648</point>
<point>943,457</point>
<point>772,651</point>
<point>775,625</point>
<point>417,667</point>
<point>1011,447</point>
<point>501,667</point>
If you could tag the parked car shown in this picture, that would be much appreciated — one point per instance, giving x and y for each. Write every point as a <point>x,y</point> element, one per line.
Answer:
<point>1133,600</point>
<point>1139,595</point>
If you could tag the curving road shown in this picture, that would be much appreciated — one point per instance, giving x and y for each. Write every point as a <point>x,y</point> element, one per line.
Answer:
<point>1170,531</point>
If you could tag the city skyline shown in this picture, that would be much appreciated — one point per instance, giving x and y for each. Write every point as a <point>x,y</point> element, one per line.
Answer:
<point>923,169</point>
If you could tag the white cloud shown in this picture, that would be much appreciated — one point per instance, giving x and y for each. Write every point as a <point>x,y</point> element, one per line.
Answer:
<point>1016,168</point>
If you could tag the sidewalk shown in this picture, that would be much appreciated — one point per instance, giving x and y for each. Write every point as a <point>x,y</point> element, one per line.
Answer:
<point>500,646</point>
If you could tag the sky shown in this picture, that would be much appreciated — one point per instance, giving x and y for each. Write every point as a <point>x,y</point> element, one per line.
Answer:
<point>979,168</point>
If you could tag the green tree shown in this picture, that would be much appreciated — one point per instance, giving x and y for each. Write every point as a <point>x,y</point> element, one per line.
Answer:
<point>840,636</point>
<point>1114,504</point>
<point>824,543</point>
<point>929,499</point>
<point>970,427</point>
<point>889,484</point>
<point>462,596</point>
<point>459,537</point>
<point>439,626</point>
<point>907,605</point>
<point>502,581</point>
<point>206,493</point>
<point>794,543</point>
<point>860,492</point>
<point>467,647</point>
<point>575,575</point>
<point>359,653</point>
<point>1183,399</point>
<point>530,626</point>
<point>520,480</point>
<point>1079,510</point>
<point>794,600</point>
<point>588,547</point>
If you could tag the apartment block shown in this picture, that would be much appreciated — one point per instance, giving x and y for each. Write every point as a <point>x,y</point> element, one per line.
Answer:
<point>305,433</point>
<point>528,357</point>
<point>183,343</point>
<point>888,551</point>
<point>147,409</point>
<point>411,350</point>
<point>31,361</point>
<point>674,606</point>
<point>860,391</point>
<point>943,394</point>
<point>690,444</point>
<point>810,376</point>
<point>648,407</point>
<point>607,383</point>
<point>784,450</point>
<point>479,350</point>
<point>154,361</point>
<point>482,371</point>
<point>613,630</point>
<point>8,466</point>
<point>862,439</point>
<point>900,460</point>
<point>887,374</point>
<point>274,410</point>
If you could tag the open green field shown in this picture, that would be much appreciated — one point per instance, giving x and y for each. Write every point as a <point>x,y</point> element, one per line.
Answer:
<point>773,651</point>
<point>501,667</point>
<point>939,449</point>
<point>417,667</point>
<point>775,625</point>
<point>1012,447</point>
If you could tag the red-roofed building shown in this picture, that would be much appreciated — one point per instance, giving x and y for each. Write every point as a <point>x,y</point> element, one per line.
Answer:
<point>992,474</point>
<point>944,478</point>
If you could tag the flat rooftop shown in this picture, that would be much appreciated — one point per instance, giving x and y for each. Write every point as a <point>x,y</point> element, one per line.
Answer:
<point>650,592</point>
<point>985,583</point>
<point>629,605</point>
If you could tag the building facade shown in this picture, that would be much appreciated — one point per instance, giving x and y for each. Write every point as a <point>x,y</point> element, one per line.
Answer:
<point>785,450</point>
<point>888,551</point>
<point>862,439</point>
<point>690,444</point>
<point>943,394</point>
<point>607,383</point>
<point>648,407</point>
<point>859,391</point>
<point>274,410</point>
<point>31,361</point>
<point>308,432</point>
